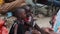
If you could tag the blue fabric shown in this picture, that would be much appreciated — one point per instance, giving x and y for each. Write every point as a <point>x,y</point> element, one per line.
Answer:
<point>55,2</point>
<point>57,22</point>
<point>56,27</point>
<point>9,14</point>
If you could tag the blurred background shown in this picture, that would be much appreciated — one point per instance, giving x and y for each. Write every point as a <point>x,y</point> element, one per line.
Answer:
<point>43,11</point>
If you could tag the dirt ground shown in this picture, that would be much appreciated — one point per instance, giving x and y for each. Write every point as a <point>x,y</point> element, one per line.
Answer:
<point>43,21</point>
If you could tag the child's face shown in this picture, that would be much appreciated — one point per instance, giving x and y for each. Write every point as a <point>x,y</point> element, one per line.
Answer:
<point>22,14</point>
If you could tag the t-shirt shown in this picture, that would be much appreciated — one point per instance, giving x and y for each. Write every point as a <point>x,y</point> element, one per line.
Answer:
<point>17,29</point>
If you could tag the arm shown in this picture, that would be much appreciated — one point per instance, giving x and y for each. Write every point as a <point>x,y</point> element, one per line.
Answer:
<point>9,6</point>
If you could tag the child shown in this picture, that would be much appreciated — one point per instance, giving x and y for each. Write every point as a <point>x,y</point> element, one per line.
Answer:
<point>22,24</point>
<point>30,20</point>
<point>3,29</point>
<point>18,26</point>
<point>29,13</point>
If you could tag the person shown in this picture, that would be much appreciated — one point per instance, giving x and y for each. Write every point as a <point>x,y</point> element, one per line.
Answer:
<point>18,26</point>
<point>29,13</point>
<point>30,16</point>
<point>3,29</point>
<point>23,25</point>
<point>37,28</point>
<point>34,26</point>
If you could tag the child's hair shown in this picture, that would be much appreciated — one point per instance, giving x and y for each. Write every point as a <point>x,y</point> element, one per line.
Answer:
<point>17,11</point>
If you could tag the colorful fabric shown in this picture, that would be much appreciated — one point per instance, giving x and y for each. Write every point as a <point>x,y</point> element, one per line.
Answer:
<point>3,30</point>
<point>57,24</point>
